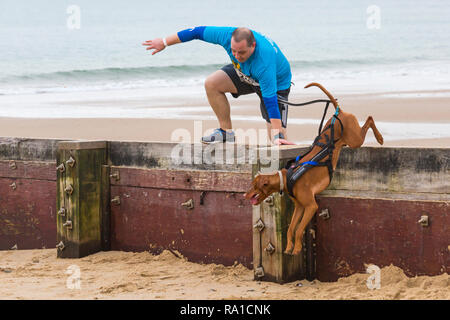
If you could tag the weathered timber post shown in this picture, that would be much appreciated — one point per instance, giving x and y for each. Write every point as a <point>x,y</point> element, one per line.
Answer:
<point>80,205</point>
<point>270,223</point>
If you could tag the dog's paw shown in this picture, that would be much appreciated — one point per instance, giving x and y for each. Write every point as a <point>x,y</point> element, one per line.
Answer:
<point>297,251</point>
<point>287,251</point>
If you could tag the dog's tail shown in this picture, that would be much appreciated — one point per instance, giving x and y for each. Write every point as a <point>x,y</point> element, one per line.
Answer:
<point>333,100</point>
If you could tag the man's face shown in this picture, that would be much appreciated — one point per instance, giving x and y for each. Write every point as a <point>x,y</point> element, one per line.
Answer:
<point>241,51</point>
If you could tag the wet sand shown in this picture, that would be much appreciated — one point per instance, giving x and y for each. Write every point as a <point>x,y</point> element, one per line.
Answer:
<point>417,114</point>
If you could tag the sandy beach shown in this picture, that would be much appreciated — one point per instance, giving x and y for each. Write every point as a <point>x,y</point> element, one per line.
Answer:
<point>421,119</point>
<point>100,70</point>
<point>38,274</point>
<point>405,119</point>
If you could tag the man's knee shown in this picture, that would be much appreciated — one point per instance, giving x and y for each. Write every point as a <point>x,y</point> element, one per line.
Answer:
<point>211,83</point>
<point>219,81</point>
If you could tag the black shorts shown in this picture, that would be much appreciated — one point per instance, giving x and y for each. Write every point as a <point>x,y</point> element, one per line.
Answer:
<point>245,88</point>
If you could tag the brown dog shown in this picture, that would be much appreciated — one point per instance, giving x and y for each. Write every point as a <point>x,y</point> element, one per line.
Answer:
<point>316,179</point>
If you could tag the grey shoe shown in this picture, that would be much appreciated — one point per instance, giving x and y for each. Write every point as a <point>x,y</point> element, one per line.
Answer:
<point>219,136</point>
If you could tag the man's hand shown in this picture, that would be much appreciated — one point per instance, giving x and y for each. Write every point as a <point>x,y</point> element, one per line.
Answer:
<point>278,139</point>
<point>156,44</point>
<point>282,141</point>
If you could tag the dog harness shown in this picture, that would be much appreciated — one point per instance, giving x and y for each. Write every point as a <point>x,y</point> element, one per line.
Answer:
<point>292,174</point>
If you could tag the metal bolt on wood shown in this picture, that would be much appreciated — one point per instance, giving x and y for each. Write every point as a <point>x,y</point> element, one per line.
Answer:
<point>13,186</point>
<point>423,221</point>
<point>12,165</point>
<point>188,204</point>
<point>324,214</point>
<point>115,176</point>
<point>269,200</point>
<point>259,225</point>
<point>270,248</point>
<point>68,224</point>
<point>61,167</point>
<point>71,162</point>
<point>69,189</point>
<point>115,200</point>
<point>259,272</point>
<point>60,246</point>
<point>62,212</point>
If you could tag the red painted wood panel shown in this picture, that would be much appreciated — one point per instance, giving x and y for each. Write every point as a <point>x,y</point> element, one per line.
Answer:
<point>381,232</point>
<point>28,169</point>
<point>217,231</point>
<point>27,214</point>
<point>183,179</point>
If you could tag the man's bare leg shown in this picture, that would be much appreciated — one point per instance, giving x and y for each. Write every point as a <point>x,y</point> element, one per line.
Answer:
<point>216,85</point>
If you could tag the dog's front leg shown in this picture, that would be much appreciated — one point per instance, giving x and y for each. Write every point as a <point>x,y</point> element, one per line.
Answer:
<point>308,213</point>
<point>296,217</point>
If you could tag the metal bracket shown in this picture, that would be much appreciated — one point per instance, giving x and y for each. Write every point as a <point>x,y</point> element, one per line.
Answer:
<point>13,186</point>
<point>188,204</point>
<point>116,200</point>
<point>115,176</point>
<point>12,165</point>
<point>62,212</point>
<point>61,167</point>
<point>259,225</point>
<point>60,246</point>
<point>324,214</point>
<point>68,224</point>
<point>259,272</point>
<point>269,200</point>
<point>270,248</point>
<point>71,162</point>
<point>69,189</point>
<point>424,221</point>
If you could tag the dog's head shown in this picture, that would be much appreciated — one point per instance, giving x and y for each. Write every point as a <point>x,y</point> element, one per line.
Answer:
<point>263,185</point>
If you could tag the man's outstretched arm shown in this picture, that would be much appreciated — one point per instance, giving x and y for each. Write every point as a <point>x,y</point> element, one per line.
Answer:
<point>160,44</point>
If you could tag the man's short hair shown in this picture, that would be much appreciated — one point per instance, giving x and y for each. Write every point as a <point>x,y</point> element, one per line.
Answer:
<point>240,34</point>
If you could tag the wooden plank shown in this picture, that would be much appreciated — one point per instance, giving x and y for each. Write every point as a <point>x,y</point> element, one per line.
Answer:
<point>257,247</point>
<point>381,232</point>
<point>39,170</point>
<point>82,145</point>
<point>106,209</point>
<point>278,267</point>
<point>180,155</point>
<point>28,149</point>
<point>89,180</point>
<point>182,179</point>
<point>84,205</point>
<point>217,231</point>
<point>394,170</point>
<point>27,214</point>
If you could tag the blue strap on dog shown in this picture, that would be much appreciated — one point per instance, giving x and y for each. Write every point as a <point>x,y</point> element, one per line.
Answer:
<point>313,163</point>
<point>293,175</point>
<point>335,115</point>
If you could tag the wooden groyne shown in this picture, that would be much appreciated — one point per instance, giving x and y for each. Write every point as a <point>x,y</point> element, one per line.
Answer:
<point>385,205</point>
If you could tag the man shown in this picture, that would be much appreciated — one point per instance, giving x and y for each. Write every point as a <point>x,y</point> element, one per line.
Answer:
<point>258,66</point>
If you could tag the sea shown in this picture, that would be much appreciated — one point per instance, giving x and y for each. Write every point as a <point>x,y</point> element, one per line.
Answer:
<point>59,50</point>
